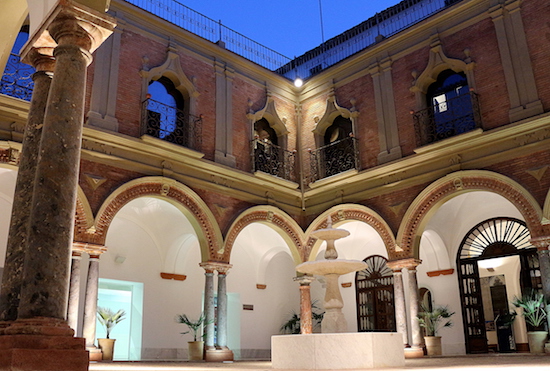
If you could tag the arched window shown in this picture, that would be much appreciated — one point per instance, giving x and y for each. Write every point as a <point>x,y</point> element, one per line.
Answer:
<point>450,106</point>
<point>268,156</point>
<point>339,151</point>
<point>165,112</point>
<point>375,303</point>
<point>17,77</point>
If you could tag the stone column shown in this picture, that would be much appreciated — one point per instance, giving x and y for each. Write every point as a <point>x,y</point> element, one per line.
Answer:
<point>74,291</point>
<point>90,307</point>
<point>209,305</point>
<point>400,311</point>
<point>15,250</point>
<point>543,244</point>
<point>306,320</point>
<point>416,337</point>
<point>221,318</point>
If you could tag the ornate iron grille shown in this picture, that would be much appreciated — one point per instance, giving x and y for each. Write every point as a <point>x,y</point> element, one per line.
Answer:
<point>171,124</point>
<point>334,158</point>
<point>17,79</point>
<point>272,159</point>
<point>455,116</point>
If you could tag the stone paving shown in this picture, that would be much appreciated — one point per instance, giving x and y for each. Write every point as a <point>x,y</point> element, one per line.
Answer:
<point>508,362</point>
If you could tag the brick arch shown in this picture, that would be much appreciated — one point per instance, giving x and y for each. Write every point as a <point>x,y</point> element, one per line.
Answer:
<point>276,219</point>
<point>452,185</point>
<point>352,212</point>
<point>182,197</point>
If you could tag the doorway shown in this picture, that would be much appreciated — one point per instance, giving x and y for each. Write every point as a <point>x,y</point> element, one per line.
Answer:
<point>496,262</point>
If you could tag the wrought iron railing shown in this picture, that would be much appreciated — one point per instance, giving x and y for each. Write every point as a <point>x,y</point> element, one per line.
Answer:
<point>452,117</point>
<point>171,124</point>
<point>272,159</point>
<point>17,79</point>
<point>334,158</point>
<point>175,12</point>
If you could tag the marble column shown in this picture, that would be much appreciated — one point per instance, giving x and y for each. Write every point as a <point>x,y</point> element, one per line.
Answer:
<point>43,61</point>
<point>74,291</point>
<point>400,310</point>
<point>543,244</point>
<point>416,334</point>
<point>306,320</point>
<point>208,306</point>
<point>221,319</point>
<point>90,304</point>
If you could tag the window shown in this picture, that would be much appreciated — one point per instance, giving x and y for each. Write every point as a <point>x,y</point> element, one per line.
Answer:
<point>17,78</point>
<point>165,117</point>
<point>338,153</point>
<point>268,156</point>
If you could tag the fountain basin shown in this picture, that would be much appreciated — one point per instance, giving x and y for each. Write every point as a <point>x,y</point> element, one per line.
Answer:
<point>335,266</point>
<point>364,350</point>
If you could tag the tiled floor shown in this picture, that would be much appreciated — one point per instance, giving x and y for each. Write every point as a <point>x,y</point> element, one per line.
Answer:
<point>507,362</point>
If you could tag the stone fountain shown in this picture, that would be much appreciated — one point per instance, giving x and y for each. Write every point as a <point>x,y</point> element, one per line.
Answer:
<point>335,348</point>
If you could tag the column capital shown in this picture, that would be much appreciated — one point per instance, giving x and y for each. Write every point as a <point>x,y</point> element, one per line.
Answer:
<point>221,267</point>
<point>304,280</point>
<point>88,248</point>
<point>41,59</point>
<point>409,263</point>
<point>542,243</point>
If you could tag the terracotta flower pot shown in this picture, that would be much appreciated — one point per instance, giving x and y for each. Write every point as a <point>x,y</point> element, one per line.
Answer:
<point>536,341</point>
<point>107,347</point>
<point>433,345</point>
<point>195,349</point>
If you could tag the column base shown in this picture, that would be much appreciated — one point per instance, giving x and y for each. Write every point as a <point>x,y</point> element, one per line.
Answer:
<point>414,352</point>
<point>96,355</point>
<point>222,354</point>
<point>42,345</point>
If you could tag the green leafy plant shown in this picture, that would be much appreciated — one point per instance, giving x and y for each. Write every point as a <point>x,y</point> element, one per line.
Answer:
<point>534,306</point>
<point>194,326</point>
<point>109,318</point>
<point>431,319</point>
<point>292,326</point>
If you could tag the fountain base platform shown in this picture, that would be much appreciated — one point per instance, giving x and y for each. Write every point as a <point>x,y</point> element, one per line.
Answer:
<point>338,351</point>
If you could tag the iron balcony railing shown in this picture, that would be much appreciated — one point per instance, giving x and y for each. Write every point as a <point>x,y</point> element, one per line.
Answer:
<point>452,117</point>
<point>272,159</point>
<point>171,124</point>
<point>17,79</point>
<point>175,12</point>
<point>334,158</point>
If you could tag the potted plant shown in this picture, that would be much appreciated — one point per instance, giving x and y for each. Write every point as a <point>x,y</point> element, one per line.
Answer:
<point>534,306</point>
<point>109,319</point>
<point>292,326</point>
<point>431,321</point>
<point>195,347</point>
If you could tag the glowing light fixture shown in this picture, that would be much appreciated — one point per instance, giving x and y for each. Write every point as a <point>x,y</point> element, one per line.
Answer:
<point>298,82</point>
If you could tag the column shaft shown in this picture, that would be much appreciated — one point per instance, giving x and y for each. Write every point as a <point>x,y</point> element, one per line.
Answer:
<point>413,306</point>
<point>209,309</point>
<point>44,292</point>
<point>306,320</point>
<point>400,310</point>
<point>22,201</point>
<point>221,319</point>
<point>90,302</point>
<point>74,292</point>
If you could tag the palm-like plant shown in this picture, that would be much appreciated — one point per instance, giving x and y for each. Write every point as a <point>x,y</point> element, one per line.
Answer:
<point>292,326</point>
<point>109,318</point>
<point>194,326</point>
<point>534,305</point>
<point>430,319</point>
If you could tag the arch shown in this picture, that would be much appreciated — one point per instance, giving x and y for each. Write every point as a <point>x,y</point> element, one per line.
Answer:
<point>84,217</point>
<point>546,210</point>
<point>171,69</point>
<point>269,112</point>
<point>179,195</point>
<point>332,111</point>
<point>442,190</point>
<point>272,217</point>
<point>348,212</point>
<point>437,63</point>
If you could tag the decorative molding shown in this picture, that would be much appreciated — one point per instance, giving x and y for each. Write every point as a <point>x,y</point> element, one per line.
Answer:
<point>443,272</point>
<point>173,276</point>
<point>94,181</point>
<point>537,173</point>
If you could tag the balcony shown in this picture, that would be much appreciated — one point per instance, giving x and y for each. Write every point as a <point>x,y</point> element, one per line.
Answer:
<point>272,159</point>
<point>171,124</point>
<point>17,79</point>
<point>447,119</point>
<point>333,159</point>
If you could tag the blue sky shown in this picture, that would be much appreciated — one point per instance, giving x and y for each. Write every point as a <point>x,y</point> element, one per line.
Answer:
<point>290,27</point>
